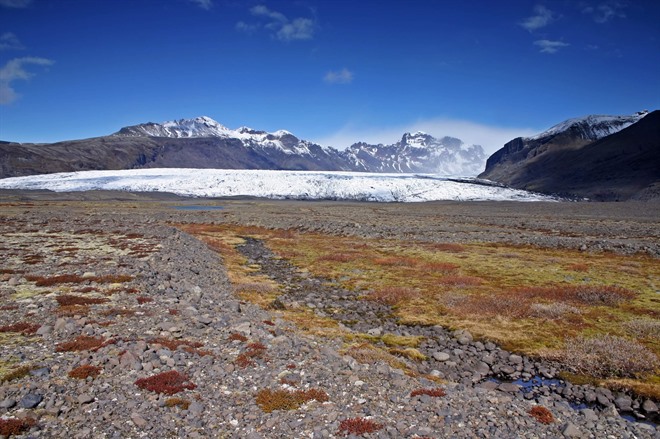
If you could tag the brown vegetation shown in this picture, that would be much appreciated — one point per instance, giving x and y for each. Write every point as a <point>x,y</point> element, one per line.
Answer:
<point>21,327</point>
<point>541,414</point>
<point>435,392</point>
<point>85,371</point>
<point>269,400</point>
<point>83,343</point>
<point>15,426</point>
<point>358,426</point>
<point>609,356</point>
<point>69,299</point>
<point>167,383</point>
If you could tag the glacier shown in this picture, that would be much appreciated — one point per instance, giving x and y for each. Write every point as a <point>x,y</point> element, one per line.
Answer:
<point>299,185</point>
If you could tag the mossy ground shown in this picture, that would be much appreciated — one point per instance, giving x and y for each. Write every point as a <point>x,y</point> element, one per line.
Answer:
<point>481,287</point>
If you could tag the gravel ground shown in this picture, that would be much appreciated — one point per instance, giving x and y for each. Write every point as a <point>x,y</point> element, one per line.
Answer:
<point>175,289</point>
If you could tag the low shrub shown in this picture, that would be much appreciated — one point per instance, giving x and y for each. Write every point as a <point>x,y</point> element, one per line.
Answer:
<point>608,356</point>
<point>552,311</point>
<point>85,371</point>
<point>593,295</point>
<point>541,414</point>
<point>167,383</point>
<point>15,426</point>
<point>643,328</point>
<point>448,247</point>
<point>461,281</point>
<point>358,426</point>
<point>435,392</point>
<point>269,400</point>
<point>578,267</point>
<point>21,327</point>
<point>336,257</point>
<point>392,295</point>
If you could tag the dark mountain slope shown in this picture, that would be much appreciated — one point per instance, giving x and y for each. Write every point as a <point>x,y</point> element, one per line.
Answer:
<point>616,167</point>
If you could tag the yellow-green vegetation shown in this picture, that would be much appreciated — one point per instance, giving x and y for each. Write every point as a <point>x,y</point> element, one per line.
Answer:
<point>527,299</point>
<point>16,373</point>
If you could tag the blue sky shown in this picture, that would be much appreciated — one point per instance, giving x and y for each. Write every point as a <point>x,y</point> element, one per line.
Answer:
<point>330,71</point>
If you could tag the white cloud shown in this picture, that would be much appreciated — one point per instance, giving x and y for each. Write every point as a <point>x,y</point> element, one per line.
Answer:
<point>9,41</point>
<point>490,137</point>
<point>204,4</point>
<point>15,70</point>
<point>604,12</point>
<point>343,76</point>
<point>298,29</point>
<point>281,27</point>
<point>541,18</point>
<point>548,46</point>
<point>15,3</point>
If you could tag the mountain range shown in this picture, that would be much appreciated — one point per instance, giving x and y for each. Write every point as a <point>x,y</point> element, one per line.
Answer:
<point>204,143</point>
<point>610,158</point>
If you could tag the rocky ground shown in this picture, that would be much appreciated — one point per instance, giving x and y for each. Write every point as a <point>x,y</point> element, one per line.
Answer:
<point>161,302</point>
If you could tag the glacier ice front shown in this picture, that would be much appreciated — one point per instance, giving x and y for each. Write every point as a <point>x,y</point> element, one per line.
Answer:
<point>300,185</point>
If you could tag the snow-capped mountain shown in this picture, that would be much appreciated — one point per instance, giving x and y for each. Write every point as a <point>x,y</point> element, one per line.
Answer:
<point>204,143</point>
<point>204,126</point>
<point>599,157</point>
<point>592,127</point>
<point>418,152</point>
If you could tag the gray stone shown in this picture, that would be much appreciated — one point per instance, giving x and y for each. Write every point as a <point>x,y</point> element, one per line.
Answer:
<point>589,415</point>
<point>44,329</point>
<point>508,387</point>
<point>649,406</point>
<point>31,400</point>
<point>623,403</point>
<point>85,398</point>
<point>488,385</point>
<point>570,430</point>
<point>515,359</point>
<point>138,420</point>
<point>8,403</point>
<point>440,356</point>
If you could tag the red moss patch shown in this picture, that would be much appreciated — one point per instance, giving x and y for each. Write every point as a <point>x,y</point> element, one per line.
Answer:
<point>21,327</point>
<point>144,299</point>
<point>167,383</point>
<point>85,371</point>
<point>541,414</point>
<point>237,337</point>
<point>83,343</point>
<point>69,299</point>
<point>436,392</point>
<point>49,281</point>
<point>358,426</point>
<point>392,295</point>
<point>14,426</point>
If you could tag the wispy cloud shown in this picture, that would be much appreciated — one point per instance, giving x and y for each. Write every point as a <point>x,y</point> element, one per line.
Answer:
<point>343,76</point>
<point>15,3</point>
<point>490,137</point>
<point>541,18</point>
<point>279,25</point>
<point>548,46</point>
<point>15,70</point>
<point>606,11</point>
<point>204,4</point>
<point>9,41</point>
